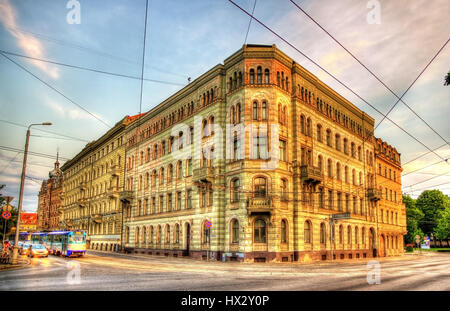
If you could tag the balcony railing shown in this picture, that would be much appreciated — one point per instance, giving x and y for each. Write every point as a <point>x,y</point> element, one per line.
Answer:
<point>203,174</point>
<point>113,192</point>
<point>115,170</point>
<point>126,196</point>
<point>82,202</point>
<point>374,194</point>
<point>259,205</point>
<point>97,218</point>
<point>311,174</point>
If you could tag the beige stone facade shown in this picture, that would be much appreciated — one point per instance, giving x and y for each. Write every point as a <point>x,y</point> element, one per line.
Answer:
<point>268,197</point>
<point>92,184</point>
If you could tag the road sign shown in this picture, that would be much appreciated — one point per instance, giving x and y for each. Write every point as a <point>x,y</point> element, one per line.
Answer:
<point>7,208</point>
<point>208,224</point>
<point>340,216</point>
<point>6,215</point>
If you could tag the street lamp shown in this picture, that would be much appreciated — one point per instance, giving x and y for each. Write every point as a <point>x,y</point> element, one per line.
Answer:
<point>22,182</point>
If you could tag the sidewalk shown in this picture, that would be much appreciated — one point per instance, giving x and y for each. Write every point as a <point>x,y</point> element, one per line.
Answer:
<point>22,263</point>
<point>405,257</point>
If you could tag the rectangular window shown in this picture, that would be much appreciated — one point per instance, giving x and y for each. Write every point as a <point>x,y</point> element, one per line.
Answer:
<point>282,150</point>
<point>169,202</point>
<point>178,201</point>
<point>189,199</point>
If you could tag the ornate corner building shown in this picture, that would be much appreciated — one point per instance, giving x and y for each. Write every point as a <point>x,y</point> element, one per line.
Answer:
<point>249,162</point>
<point>49,200</point>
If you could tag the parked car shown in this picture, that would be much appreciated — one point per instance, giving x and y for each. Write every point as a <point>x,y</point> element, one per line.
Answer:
<point>38,250</point>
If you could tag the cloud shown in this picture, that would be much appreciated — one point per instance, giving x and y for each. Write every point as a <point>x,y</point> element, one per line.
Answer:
<point>29,44</point>
<point>73,114</point>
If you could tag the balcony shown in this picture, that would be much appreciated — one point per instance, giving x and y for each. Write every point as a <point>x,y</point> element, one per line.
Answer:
<point>203,174</point>
<point>82,202</point>
<point>259,205</point>
<point>374,194</point>
<point>126,196</point>
<point>97,218</point>
<point>113,192</point>
<point>115,170</point>
<point>310,174</point>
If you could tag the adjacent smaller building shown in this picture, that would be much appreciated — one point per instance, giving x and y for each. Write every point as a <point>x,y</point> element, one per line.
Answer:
<point>49,200</point>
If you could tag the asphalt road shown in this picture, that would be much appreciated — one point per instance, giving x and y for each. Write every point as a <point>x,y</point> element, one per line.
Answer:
<point>102,271</point>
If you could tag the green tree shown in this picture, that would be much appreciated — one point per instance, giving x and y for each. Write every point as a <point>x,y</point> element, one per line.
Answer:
<point>413,216</point>
<point>432,203</point>
<point>442,230</point>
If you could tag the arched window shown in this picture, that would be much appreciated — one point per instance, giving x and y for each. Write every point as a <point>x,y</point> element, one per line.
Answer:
<point>264,110</point>
<point>319,132</point>
<point>169,173</point>
<point>309,127</point>
<point>323,233</point>
<point>158,235</point>
<point>356,235</point>
<point>255,110</point>
<point>137,235</point>
<point>278,79</point>
<point>319,163</point>
<point>180,169</point>
<point>266,76</point>
<point>240,78</point>
<point>204,128</point>
<point>167,235</point>
<point>211,125</point>
<point>284,231</point>
<point>338,171</point>
<point>238,113</point>
<point>302,124</point>
<point>234,231</point>
<point>235,187</point>
<point>341,235</point>
<point>349,235</point>
<point>232,115</point>
<point>206,234</point>
<point>259,74</point>
<point>329,137</point>
<point>127,234</point>
<point>330,169</point>
<point>338,142</point>
<point>260,187</point>
<point>259,231</point>
<point>307,232</point>
<point>252,76</point>
<point>177,233</point>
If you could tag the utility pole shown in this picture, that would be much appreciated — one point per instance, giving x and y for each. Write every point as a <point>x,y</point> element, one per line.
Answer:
<point>22,183</point>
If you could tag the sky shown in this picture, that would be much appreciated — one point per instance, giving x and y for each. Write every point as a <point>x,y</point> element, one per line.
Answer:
<point>187,38</point>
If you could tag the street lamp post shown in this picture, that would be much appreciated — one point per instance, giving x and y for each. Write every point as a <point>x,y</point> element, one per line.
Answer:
<point>14,259</point>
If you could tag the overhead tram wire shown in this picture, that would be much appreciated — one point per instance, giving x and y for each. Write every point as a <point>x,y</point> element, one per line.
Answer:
<point>90,69</point>
<point>420,182</point>
<point>424,154</point>
<point>56,90</point>
<point>376,77</point>
<point>45,131</point>
<point>336,79</point>
<point>91,50</point>
<point>425,188</point>
<point>250,22</point>
<point>38,154</point>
